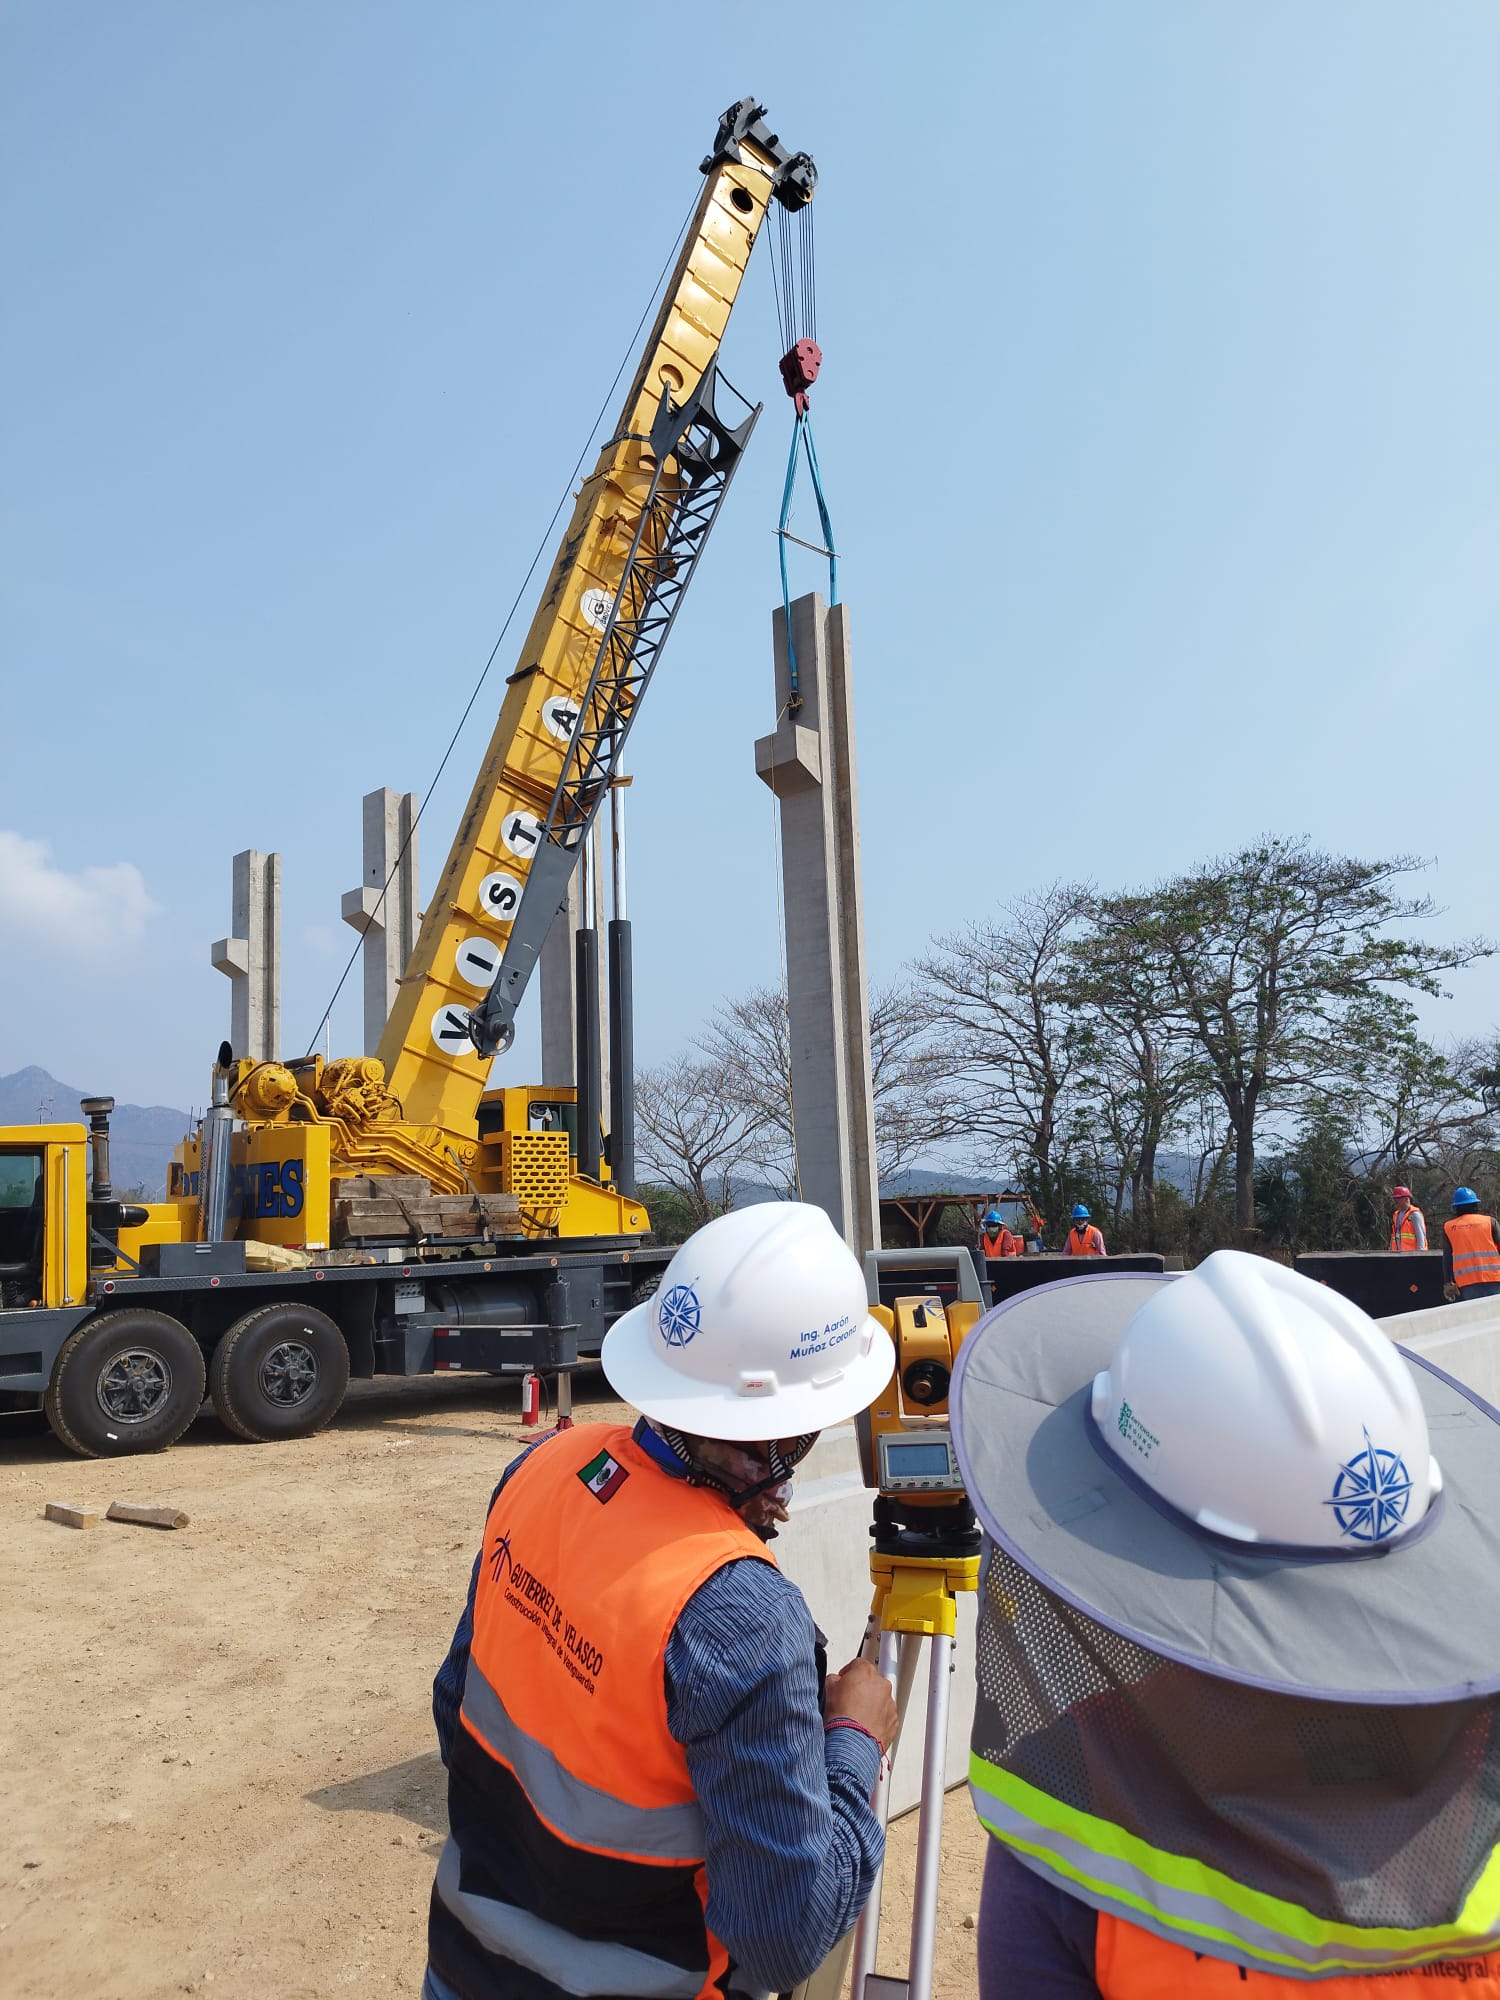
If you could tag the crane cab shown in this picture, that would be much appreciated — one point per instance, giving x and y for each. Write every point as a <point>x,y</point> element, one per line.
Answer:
<point>44,1215</point>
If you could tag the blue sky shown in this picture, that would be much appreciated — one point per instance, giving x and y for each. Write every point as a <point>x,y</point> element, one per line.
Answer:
<point>1158,421</point>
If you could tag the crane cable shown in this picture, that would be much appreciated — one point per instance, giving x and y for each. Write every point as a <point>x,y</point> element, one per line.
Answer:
<point>794,284</point>
<point>541,548</point>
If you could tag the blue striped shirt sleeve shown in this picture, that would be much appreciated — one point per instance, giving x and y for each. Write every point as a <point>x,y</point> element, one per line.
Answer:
<point>791,1843</point>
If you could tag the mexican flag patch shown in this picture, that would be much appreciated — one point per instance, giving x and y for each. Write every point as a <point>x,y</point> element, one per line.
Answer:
<point>604,1476</point>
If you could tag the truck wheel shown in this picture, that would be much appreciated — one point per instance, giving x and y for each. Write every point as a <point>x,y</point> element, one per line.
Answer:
<point>280,1372</point>
<point>127,1382</point>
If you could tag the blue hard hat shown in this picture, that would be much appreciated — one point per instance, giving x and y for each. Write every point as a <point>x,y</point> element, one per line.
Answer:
<point>1080,1213</point>
<point>1465,1198</point>
<point>993,1216</point>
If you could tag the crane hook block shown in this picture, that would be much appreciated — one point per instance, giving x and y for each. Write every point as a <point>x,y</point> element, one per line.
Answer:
<point>799,370</point>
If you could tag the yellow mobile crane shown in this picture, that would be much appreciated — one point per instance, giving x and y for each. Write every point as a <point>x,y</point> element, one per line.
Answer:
<point>119,1316</point>
<point>628,553</point>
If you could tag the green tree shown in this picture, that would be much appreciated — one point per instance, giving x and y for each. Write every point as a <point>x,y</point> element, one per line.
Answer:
<point>1271,957</point>
<point>1138,1074</point>
<point>673,1216</point>
<point>1318,1195</point>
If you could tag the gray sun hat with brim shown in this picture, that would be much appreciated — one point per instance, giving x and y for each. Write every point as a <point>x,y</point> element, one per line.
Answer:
<point>1414,1622</point>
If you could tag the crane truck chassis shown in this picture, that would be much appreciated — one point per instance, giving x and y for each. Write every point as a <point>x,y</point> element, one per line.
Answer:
<point>121,1353</point>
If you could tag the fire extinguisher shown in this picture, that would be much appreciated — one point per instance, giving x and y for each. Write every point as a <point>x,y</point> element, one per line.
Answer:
<point>531,1401</point>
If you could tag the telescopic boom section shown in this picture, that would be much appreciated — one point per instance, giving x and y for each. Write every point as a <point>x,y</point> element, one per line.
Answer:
<point>637,530</point>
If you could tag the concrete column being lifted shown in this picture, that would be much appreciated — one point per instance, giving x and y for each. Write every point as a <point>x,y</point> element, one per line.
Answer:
<point>251,957</point>
<point>387,918</point>
<point>809,764</point>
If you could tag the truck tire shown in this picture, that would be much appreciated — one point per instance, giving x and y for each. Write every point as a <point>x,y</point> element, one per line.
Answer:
<point>127,1382</point>
<point>280,1372</point>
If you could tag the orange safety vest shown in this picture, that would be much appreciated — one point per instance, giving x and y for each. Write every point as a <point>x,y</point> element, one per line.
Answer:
<point>1088,1243</point>
<point>1408,1227</point>
<point>1134,1964</point>
<point>1476,1261</point>
<point>1003,1245</point>
<point>576,1850</point>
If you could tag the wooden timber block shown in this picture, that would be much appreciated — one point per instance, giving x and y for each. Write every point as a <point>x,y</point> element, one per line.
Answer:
<point>353,1219</point>
<point>374,1187</point>
<point>146,1517</point>
<point>71,1517</point>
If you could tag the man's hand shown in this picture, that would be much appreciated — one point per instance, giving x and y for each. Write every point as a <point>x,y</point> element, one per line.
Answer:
<point>862,1694</point>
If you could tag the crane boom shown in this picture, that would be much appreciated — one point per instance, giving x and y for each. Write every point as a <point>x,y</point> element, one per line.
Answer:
<point>637,529</point>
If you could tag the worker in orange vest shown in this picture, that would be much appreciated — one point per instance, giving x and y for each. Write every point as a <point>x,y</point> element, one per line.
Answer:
<point>1471,1249</point>
<point>1084,1240</point>
<point>1408,1225</point>
<point>1219,1750</point>
<point>651,1788</point>
<point>995,1240</point>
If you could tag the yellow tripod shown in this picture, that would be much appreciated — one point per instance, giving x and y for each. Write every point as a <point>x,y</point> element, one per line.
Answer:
<point>916,1600</point>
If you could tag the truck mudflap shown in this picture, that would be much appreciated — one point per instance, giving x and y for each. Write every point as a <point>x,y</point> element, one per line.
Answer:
<point>30,1343</point>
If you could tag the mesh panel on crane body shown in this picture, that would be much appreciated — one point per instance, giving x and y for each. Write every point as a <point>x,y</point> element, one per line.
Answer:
<point>1360,1814</point>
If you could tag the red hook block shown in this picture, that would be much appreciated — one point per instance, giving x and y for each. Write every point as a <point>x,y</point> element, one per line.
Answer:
<point>799,370</point>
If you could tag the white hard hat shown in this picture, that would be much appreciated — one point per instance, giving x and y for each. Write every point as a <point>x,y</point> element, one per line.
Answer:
<point>1268,1408</point>
<point>759,1329</point>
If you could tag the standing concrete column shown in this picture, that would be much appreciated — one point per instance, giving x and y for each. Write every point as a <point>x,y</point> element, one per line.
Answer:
<point>560,995</point>
<point>251,957</point>
<point>386,918</point>
<point>809,764</point>
<point>559,977</point>
<point>596,917</point>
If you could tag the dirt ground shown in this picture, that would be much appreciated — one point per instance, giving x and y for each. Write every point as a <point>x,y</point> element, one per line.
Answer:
<point>217,1745</point>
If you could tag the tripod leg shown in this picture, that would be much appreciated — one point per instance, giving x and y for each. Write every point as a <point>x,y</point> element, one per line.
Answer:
<point>867,1930</point>
<point>930,1825</point>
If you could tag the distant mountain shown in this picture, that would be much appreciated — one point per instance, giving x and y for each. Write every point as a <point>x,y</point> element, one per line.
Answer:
<point>142,1136</point>
<point>929,1180</point>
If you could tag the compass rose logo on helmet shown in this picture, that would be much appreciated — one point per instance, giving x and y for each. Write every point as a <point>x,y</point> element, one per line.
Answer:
<point>1371,1494</point>
<point>679,1316</point>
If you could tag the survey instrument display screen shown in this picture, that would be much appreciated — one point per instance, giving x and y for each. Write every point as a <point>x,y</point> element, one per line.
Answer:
<point>919,1464</point>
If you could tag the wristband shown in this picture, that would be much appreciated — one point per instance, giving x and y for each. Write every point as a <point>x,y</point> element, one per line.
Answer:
<point>848,1722</point>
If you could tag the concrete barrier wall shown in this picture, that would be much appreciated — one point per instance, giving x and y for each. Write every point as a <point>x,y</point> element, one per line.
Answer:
<point>825,1550</point>
<point>1462,1340</point>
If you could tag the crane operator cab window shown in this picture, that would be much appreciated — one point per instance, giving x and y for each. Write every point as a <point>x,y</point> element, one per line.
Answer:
<point>21,1220</point>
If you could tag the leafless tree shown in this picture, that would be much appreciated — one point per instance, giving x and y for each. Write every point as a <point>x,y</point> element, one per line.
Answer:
<point>749,1042</point>
<point>1001,1051</point>
<point>694,1134</point>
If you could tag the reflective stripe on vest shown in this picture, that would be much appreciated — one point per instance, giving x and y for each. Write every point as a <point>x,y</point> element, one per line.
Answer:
<point>582,1965</point>
<point>1201,1908</point>
<point>1476,1261</point>
<point>1408,1230</point>
<point>568,1795</point>
<point>1132,1964</point>
<point>1087,1244</point>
